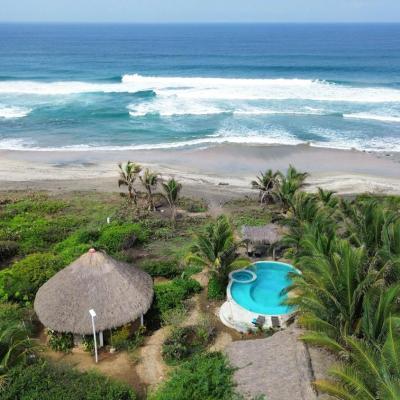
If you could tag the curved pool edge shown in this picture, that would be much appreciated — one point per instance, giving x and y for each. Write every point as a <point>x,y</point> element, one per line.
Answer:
<point>237,317</point>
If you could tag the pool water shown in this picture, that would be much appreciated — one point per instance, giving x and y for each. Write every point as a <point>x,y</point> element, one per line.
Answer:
<point>242,276</point>
<point>264,295</point>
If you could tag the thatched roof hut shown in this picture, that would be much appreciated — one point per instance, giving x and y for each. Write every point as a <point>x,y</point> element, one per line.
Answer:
<point>119,293</point>
<point>267,234</point>
<point>279,367</point>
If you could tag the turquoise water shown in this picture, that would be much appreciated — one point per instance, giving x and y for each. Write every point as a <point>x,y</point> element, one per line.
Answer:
<point>101,87</point>
<point>264,295</point>
<point>242,276</point>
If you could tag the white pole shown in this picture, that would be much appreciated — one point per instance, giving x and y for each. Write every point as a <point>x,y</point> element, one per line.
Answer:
<point>93,314</point>
<point>141,320</point>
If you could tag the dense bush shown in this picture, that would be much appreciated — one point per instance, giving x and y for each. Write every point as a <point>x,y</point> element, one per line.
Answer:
<point>186,341</point>
<point>35,233</point>
<point>11,312</point>
<point>169,295</point>
<point>114,238</point>
<point>44,381</point>
<point>76,244</point>
<point>60,341</point>
<point>207,376</point>
<point>165,268</point>
<point>22,280</point>
<point>120,335</point>
<point>216,289</point>
<point>174,316</point>
<point>8,249</point>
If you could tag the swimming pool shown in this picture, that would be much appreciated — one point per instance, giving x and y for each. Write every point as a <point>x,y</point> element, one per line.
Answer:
<point>264,294</point>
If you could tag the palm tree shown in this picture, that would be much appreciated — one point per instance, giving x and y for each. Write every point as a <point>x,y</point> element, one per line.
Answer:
<point>266,183</point>
<point>288,185</point>
<point>216,248</point>
<point>332,289</point>
<point>15,346</point>
<point>380,304</point>
<point>326,197</point>
<point>371,372</point>
<point>171,190</point>
<point>149,180</point>
<point>127,176</point>
<point>215,241</point>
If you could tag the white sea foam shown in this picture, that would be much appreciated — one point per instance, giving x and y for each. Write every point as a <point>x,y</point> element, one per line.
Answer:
<point>375,117</point>
<point>7,112</point>
<point>172,106</point>
<point>214,88</point>
<point>224,137</point>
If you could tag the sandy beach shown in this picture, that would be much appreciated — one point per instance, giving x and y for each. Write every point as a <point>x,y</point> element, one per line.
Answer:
<point>224,170</point>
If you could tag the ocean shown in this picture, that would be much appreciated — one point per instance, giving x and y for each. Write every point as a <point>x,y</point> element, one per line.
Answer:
<point>97,87</point>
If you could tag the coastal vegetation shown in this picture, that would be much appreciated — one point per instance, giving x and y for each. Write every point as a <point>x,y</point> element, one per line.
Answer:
<point>348,250</point>
<point>347,295</point>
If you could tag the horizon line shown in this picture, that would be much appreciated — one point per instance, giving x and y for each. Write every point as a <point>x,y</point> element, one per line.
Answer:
<point>203,22</point>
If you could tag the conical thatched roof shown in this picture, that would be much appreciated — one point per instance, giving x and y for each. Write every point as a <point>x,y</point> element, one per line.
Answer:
<point>118,292</point>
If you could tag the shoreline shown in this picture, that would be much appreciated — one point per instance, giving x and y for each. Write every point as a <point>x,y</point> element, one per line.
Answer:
<point>226,168</point>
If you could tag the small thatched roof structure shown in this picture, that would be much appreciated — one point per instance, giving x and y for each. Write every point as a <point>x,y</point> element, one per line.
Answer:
<point>280,367</point>
<point>118,292</point>
<point>267,234</point>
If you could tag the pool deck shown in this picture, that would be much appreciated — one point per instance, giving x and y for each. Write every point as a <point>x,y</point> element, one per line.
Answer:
<point>280,367</point>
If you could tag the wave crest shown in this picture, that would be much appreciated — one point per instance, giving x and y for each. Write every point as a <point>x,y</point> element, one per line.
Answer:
<point>9,112</point>
<point>190,88</point>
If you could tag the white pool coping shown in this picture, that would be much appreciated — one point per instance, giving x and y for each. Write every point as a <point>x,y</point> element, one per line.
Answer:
<point>239,318</point>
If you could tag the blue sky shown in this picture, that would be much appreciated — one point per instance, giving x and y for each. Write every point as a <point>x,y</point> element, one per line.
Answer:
<point>200,10</point>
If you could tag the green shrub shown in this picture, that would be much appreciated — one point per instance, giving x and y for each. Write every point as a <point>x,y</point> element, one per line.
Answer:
<point>170,295</point>
<point>205,376</point>
<point>45,381</point>
<point>216,290</point>
<point>88,343</point>
<point>114,238</point>
<point>165,268</point>
<point>174,316</point>
<point>186,341</point>
<point>71,254</point>
<point>124,338</point>
<point>60,341</point>
<point>178,345</point>
<point>11,312</point>
<point>76,244</point>
<point>8,249</point>
<point>120,336</point>
<point>21,281</point>
<point>36,234</point>
<point>192,269</point>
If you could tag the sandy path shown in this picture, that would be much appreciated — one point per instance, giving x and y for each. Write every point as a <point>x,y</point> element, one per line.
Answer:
<point>151,368</point>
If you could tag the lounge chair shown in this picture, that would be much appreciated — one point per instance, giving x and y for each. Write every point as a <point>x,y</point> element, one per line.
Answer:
<point>259,321</point>
<point>276,323</point>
